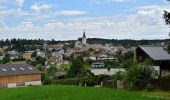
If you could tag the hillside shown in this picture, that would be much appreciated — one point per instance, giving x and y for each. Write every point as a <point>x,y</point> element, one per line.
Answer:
<point>69,93</point>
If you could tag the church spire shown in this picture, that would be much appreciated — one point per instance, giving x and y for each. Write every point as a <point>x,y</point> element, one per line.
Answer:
<point>84,34</point>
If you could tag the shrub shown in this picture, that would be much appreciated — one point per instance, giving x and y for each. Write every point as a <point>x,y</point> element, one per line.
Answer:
<point>149,87</point>
<point>70,81</point>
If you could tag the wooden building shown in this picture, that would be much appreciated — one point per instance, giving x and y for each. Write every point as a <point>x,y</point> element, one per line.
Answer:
<point>157,54</point>
<point>13,75</point>
<point>27,55</point>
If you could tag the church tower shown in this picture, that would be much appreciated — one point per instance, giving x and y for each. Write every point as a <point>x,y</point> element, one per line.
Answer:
<point>84,39</point>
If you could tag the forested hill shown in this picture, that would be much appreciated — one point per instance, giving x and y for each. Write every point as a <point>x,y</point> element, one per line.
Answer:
<point>129,43</point>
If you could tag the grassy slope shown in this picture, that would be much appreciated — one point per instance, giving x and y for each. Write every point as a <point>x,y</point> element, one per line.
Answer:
<point>69,93</point>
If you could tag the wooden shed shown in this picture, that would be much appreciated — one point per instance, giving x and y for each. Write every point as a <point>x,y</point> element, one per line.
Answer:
<point>14,75</point>
<point>158,54</point>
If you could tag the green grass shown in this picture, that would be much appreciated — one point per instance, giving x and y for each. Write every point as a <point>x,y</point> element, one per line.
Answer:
<point>69,93</point>
<point>157,94</point>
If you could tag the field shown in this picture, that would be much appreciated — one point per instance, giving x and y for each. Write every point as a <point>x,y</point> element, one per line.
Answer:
<point>69,93</point>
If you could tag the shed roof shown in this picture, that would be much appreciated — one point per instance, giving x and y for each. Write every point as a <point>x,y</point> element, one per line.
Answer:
<point>156,52</point>
<point>17,69</point>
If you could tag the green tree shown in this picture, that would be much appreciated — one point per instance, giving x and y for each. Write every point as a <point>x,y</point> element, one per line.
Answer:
<point>52,70</point>
<point>6,59</point>
<point>140,74</point>
<point>110,64</point>
<point>40,60</point>
<point>34,54</point>
<point>127,63</point>
<point>77,68</point>
<point>166,17</point>
<point>119,56</point>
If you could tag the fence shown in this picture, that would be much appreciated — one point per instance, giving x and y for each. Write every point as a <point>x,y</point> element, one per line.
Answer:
<point>162,84</point>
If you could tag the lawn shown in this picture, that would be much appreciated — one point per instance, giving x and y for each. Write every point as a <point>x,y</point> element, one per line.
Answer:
<point>69,93</point>
<point>157,93</point>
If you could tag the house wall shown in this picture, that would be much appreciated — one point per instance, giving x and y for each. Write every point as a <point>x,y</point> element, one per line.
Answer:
<point>27,55</point>
<point>140,55</point>
<point>20,80</point>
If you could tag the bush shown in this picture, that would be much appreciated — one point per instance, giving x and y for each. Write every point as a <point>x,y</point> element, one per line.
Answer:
<point>70,81</point>
<point>140,75</point>
<point>118,76</point>
<point>149,87</point>
<point>90,81</point>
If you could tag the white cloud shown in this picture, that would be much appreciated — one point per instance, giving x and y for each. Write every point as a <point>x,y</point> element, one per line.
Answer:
<point>20,2</point>
<point>145,23</point>
<point>111,1</point>
<point>119,0</point>
<point>38,7</point>
<point>15,2</point>
<point>150,10</point>
<point>71,12</point>
<point>4,1</point>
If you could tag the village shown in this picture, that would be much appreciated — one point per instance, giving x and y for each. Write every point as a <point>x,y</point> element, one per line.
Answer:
<point>82,64</point>
<point>84,50</point>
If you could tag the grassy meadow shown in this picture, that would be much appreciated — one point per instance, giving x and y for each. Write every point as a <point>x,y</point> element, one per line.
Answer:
<point>58,92</point>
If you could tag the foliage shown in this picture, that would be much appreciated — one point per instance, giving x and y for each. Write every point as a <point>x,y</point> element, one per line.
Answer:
<point>44,77</point>
<point>40,67</point>
<point>19,59</point>
<point>119,76</point>
<point>88,80</point>
<point>127,63</point>
<point>68,81</point>
<point>52,70</point>
<point>34,54</point>
<point>77,68</point>
<point>85,54</point>
<point>166,17</point>
<point>6,59</point>
<point>40,60</point>
<point>140,75</point>
<point>119,56</point>
<point>149,87</point>
<point>110,64</point>
<point>89,61</point>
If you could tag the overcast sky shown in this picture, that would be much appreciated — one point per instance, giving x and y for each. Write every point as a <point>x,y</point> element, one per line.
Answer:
<point>67,19</point>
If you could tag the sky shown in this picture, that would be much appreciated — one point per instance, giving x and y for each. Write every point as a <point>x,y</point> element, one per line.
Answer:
<point>67,19</point>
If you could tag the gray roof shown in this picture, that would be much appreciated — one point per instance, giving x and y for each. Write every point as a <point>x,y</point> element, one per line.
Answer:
<point>17,69</point>
<point>156,52</point>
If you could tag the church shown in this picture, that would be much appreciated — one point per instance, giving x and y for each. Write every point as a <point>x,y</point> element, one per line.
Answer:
<point>81,41</point>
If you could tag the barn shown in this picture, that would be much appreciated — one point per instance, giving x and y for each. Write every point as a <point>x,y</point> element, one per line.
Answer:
<point>157,54</point>
<point>14,75</point>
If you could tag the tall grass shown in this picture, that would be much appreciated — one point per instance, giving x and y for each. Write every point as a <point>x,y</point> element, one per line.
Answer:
<point>69,93</point>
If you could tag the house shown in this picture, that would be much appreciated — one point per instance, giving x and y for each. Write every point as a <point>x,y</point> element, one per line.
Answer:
<point>14,75</point>
<point>40,54</point>
<point>1,57</point>
<point>98,65</point>
<point>57,57</point>
<point>13,54</point>
<point>157,54</point>
<point>1,50</point>
<point>106,71</point>
<point>27,55</point>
